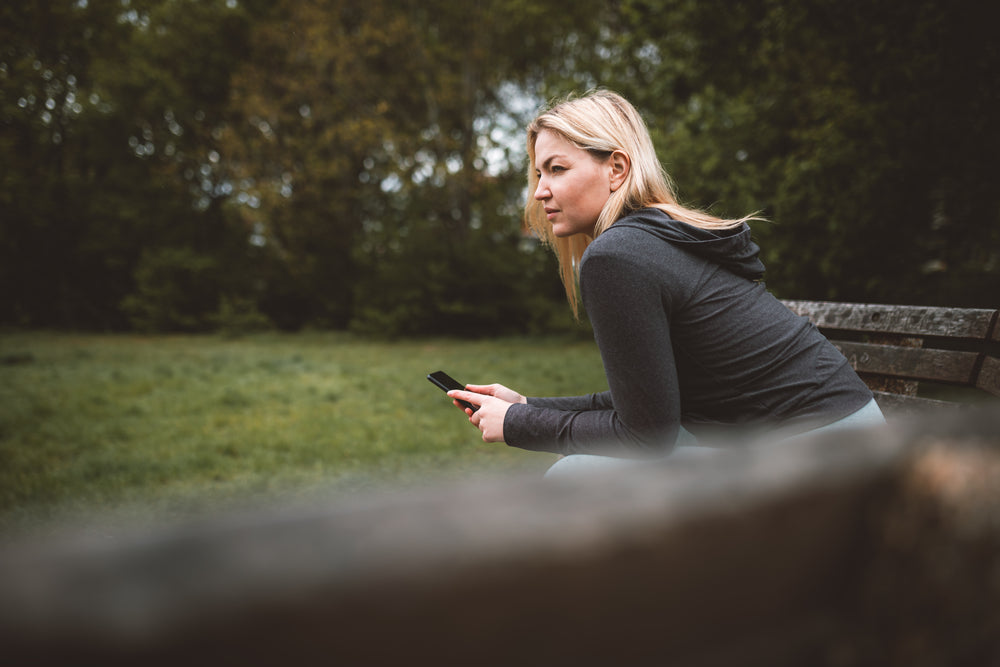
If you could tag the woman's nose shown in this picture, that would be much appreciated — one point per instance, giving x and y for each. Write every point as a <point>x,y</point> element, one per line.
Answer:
<point>542,191</point>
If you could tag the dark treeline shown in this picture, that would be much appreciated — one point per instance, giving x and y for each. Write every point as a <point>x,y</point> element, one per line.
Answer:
<point>188,165</point>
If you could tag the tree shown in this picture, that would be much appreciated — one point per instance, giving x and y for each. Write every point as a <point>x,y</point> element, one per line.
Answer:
<point>50,110</point>
<point>111,112</point>
<point>375,139</point>
<point>861,128</point>
<point>336,163</point>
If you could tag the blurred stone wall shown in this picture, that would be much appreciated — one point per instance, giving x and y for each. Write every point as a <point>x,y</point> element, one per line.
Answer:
<point>869,548</point>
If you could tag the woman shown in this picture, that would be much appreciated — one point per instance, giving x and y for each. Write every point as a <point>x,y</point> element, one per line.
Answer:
<point>692,343</point>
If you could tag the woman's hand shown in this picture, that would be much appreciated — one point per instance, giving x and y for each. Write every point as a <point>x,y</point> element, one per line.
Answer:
<point>493,401</point>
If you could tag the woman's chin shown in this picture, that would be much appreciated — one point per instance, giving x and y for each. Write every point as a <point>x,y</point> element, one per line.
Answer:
<point>562,231</point>
<point>565,232</point>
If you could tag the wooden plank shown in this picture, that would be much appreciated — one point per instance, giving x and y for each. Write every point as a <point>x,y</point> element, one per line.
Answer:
<point>989,376</point>
<point>895,404</point>
<point>493,572</point>
<point>971,323</point>
<point>909,362</point>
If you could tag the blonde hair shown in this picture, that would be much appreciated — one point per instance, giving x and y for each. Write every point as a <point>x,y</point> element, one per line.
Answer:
<point>602,122</point>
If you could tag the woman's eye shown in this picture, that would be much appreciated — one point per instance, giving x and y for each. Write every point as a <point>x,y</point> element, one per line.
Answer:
<point>556,168</point>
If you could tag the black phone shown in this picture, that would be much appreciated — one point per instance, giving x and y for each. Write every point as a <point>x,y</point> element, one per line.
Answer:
<point>447,383</point>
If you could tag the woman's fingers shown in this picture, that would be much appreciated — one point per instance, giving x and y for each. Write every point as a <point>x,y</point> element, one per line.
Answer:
<point>487,389</point>
<point>468,396</point>
<point>497,390</point>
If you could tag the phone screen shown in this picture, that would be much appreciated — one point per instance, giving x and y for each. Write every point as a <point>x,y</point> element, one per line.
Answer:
<point>447,383</point>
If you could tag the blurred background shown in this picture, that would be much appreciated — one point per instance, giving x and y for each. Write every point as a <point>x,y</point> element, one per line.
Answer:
<point>180,165</point>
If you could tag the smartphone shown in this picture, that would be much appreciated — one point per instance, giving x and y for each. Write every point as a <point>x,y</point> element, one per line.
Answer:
<point>447,383</point>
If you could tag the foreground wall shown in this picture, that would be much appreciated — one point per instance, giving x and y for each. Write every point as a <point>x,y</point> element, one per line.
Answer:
<point>874,548</point>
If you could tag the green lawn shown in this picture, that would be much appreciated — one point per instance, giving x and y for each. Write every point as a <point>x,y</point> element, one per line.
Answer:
<point>167,426</point>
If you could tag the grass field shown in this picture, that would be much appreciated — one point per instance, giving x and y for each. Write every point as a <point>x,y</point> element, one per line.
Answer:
<point>151,427</point>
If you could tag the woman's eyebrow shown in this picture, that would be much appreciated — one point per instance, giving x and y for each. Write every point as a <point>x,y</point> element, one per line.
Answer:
<point>550,158</point>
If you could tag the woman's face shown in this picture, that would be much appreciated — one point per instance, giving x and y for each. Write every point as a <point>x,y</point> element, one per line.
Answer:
<point>572,185</point>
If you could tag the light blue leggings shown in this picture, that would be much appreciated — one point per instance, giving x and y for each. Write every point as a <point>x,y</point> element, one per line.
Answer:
<point>688,449</point>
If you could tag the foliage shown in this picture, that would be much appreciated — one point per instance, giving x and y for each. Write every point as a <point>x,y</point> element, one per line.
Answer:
<point>376,152</point>
<point>176,290</point>
<point>861,129</point>
<point>109,114</point>
<point>344,164</point>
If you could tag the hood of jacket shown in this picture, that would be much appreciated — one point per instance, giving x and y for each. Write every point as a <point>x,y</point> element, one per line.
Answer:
<point>730,248</point>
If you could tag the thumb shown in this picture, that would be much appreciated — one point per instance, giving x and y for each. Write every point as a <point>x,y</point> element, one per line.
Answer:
<point>467,396</point>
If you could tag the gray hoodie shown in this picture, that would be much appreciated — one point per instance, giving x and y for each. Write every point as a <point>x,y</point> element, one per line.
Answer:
<point>689,336</point>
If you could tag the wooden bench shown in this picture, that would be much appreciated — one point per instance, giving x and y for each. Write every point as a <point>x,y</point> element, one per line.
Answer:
<point>912,357</point>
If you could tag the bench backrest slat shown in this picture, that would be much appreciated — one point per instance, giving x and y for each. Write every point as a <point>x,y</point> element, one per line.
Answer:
<point>973,323</point>
<point>911,362</point>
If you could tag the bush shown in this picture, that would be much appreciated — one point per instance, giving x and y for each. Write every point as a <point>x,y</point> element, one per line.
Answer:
<point>239,315</point>
<point>176,289</point>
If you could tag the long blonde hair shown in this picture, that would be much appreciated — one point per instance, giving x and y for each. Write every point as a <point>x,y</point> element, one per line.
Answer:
<point>602,122</point>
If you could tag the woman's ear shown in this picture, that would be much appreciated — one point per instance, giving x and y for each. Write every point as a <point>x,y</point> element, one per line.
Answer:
<point>620,166</point>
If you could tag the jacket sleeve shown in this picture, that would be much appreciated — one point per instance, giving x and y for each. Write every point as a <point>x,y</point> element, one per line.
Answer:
<point>601,401</point>
<point>630,319</point>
